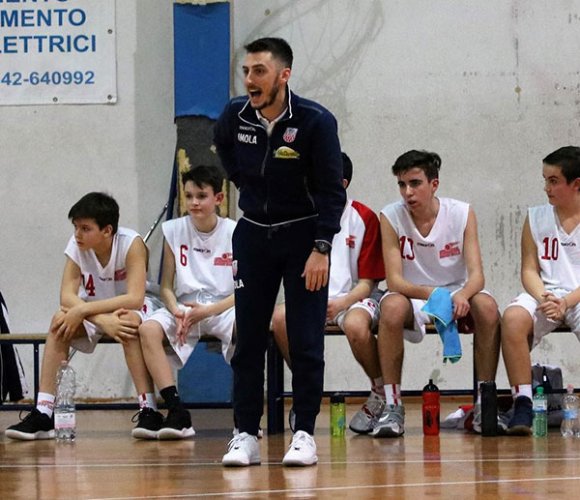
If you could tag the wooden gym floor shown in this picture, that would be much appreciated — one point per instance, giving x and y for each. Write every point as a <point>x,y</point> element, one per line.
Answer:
<point>106,463</point>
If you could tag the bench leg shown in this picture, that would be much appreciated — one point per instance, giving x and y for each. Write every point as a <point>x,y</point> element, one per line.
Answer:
<point>36,357</point>
<point>275,388</point>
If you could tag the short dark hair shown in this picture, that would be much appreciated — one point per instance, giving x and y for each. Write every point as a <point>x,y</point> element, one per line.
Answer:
<point>100,207</point>
<point>430,163</point>
<point>568,159</point>
<point>346,167</point>
<point>205,174</point>
<point>279,48</point>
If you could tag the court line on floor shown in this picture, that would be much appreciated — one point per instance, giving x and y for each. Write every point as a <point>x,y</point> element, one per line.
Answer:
<point>266,464</point>
<point>233,494</point>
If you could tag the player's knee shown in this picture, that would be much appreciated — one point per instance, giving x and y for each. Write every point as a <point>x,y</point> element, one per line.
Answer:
<point>515,324</point>
<point>485,310</point>
<point>149,333</point>
<point>394,310</point>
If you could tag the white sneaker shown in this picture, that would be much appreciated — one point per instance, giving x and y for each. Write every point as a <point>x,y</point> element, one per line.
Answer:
<point>236,431</point>
<point>302,450</point>
<point>243,450</point>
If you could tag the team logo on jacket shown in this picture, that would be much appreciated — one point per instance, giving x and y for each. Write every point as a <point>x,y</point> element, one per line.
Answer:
<point>286,153</point>
<point>223,260</point>
<point>450,250</point>
<point>350,241</point>
<point>290,134</point>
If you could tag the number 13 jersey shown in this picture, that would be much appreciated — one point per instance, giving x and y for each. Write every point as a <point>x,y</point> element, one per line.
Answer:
<point>436,259</point>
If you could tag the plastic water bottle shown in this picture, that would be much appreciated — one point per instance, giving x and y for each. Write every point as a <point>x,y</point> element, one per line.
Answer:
<point>431,409</point>
<point>488,408</point>
<point>64,407</point>
<point>570,426</point>
<point>540,408</point>
<point>337,415</point>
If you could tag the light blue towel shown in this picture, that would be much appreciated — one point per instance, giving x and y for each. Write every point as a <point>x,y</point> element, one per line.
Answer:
<point>440,308</point>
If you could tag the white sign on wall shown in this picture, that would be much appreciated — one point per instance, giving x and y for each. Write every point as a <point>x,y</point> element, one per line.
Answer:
<point>57,51</point>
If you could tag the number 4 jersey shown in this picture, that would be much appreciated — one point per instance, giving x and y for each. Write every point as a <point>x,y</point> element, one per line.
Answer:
<point>103,282</point>
<point>558,251</point>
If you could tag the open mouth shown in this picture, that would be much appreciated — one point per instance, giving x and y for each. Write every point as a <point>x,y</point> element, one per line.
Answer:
<point>255,93</point>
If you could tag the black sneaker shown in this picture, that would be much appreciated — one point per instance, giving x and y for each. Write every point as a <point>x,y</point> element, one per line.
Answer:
<point>36,425</point>
<point>177,425</point>
<point>522,419</point>
<point>149,422</point>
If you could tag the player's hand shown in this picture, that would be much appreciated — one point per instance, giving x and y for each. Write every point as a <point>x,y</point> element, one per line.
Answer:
<point>196,313</point>
<point>461,306</point>
<point>120,325</point>
<point>181,331</point>
<point>333,308</point>
<point>316,271</point>
<point>70,322</point>
<point>57,320</point>
<point>553,307</point>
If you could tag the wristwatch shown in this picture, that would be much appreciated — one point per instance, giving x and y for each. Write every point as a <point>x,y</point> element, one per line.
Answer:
<point>322,247</point>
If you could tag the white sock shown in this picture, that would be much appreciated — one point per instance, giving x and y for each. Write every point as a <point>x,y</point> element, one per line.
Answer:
<point>523,390</point>
<point>147,400</point>
<point>393,394</point>
<point>45,403</point>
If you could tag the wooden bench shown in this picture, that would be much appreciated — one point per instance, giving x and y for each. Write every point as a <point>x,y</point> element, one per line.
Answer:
<point>36,339</point>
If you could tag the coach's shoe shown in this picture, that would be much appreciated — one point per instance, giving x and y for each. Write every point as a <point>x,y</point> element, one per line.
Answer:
<point>243,450</point>
<point>149,422</point>
<point>302,451</point>
<point>365,419</point>
<point>260,435</point>
<point>522,419</point>
<point>177,425</point>
<point>391,423</point>
<point>36,425</point>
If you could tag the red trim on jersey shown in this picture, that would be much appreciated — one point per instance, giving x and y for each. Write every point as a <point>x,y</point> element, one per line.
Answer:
<point>370,261</point>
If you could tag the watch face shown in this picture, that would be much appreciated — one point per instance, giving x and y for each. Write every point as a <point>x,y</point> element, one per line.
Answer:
<point>322,247</point>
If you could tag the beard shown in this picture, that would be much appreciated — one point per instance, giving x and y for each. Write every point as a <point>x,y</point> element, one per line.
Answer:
<point>271,99</point>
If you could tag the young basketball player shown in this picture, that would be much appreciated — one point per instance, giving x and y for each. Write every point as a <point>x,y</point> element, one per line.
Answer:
<point>357,265</point>
<point>550,273</point>
<point>197,288</point>
<point>102,293</point>
<point>429,242</point>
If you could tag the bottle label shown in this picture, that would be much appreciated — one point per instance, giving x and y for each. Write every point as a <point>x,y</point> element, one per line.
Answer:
<point>540,405</point>
<point>64,420</point>
<point>570,414</point>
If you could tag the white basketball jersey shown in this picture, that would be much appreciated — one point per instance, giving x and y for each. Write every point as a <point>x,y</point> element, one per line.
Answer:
<point>356,250</point>
<point>103,282</point>
<point>436,259</point>
<point>203,265</point>
<point>558,251</point>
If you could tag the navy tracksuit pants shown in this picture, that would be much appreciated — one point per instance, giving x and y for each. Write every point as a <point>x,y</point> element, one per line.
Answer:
<point>263,257</point>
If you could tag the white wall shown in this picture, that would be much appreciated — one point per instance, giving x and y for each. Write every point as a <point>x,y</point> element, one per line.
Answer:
<point>52,155</point>
<point>492,86</point>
